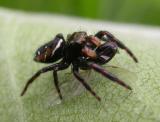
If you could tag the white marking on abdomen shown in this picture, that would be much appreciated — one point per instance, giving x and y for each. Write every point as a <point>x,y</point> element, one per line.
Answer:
<point>57,46</point>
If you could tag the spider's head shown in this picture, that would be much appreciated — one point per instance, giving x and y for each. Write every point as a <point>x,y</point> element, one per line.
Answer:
<point>78,37</point>
<point>51,51</point>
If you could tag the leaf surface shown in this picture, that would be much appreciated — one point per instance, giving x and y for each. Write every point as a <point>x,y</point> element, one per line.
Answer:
<point>22,33</point>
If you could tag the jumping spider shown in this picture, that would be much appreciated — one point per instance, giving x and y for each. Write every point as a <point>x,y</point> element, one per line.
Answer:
<point>81,52</point>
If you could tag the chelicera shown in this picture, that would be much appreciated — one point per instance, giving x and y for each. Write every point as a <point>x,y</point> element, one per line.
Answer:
<point>81,51</point>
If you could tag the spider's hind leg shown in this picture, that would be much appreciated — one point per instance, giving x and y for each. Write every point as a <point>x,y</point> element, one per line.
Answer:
<point>62,65</point>
<point>56,83</point>
<point>55,67</point>
<point>36,75</point>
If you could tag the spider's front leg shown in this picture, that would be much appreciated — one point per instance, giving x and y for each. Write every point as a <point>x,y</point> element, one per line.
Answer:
<point>44,70</point>
<point>84,83</point>
<point>107,36</point>
<point>107,74</point>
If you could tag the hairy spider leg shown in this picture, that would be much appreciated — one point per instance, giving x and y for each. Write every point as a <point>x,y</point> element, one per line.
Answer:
<point>129,52</point>
<point>84,83</point>
<point>37,74</point>
<point>93,40</point>
<point>108,75</point>
<point>112,66</point>
<point>57,84</point>
<point>100,35</point>
<point>61,66</point>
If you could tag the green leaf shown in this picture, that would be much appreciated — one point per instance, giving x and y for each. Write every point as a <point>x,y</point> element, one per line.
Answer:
<point>22,33</point>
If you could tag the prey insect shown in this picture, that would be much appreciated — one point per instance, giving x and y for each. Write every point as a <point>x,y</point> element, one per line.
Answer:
<point>81,51</point>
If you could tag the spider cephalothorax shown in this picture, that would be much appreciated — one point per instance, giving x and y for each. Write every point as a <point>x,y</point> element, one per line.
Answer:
<point>82,51</point>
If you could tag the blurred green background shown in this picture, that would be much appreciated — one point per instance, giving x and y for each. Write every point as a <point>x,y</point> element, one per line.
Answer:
<point>131,11</point>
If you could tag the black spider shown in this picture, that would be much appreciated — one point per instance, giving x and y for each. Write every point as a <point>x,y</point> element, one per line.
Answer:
<point>81,52</point>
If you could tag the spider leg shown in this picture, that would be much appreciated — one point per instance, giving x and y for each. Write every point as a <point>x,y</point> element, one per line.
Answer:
<point>37,74</point>
<point>57,84</point>
<point>109,36</point>
<point>84,83</point>
<point>59,67</point>
<point>129,52</point>
<point>108,75</point>
<point>112,66</point>
<point>94,41</point>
